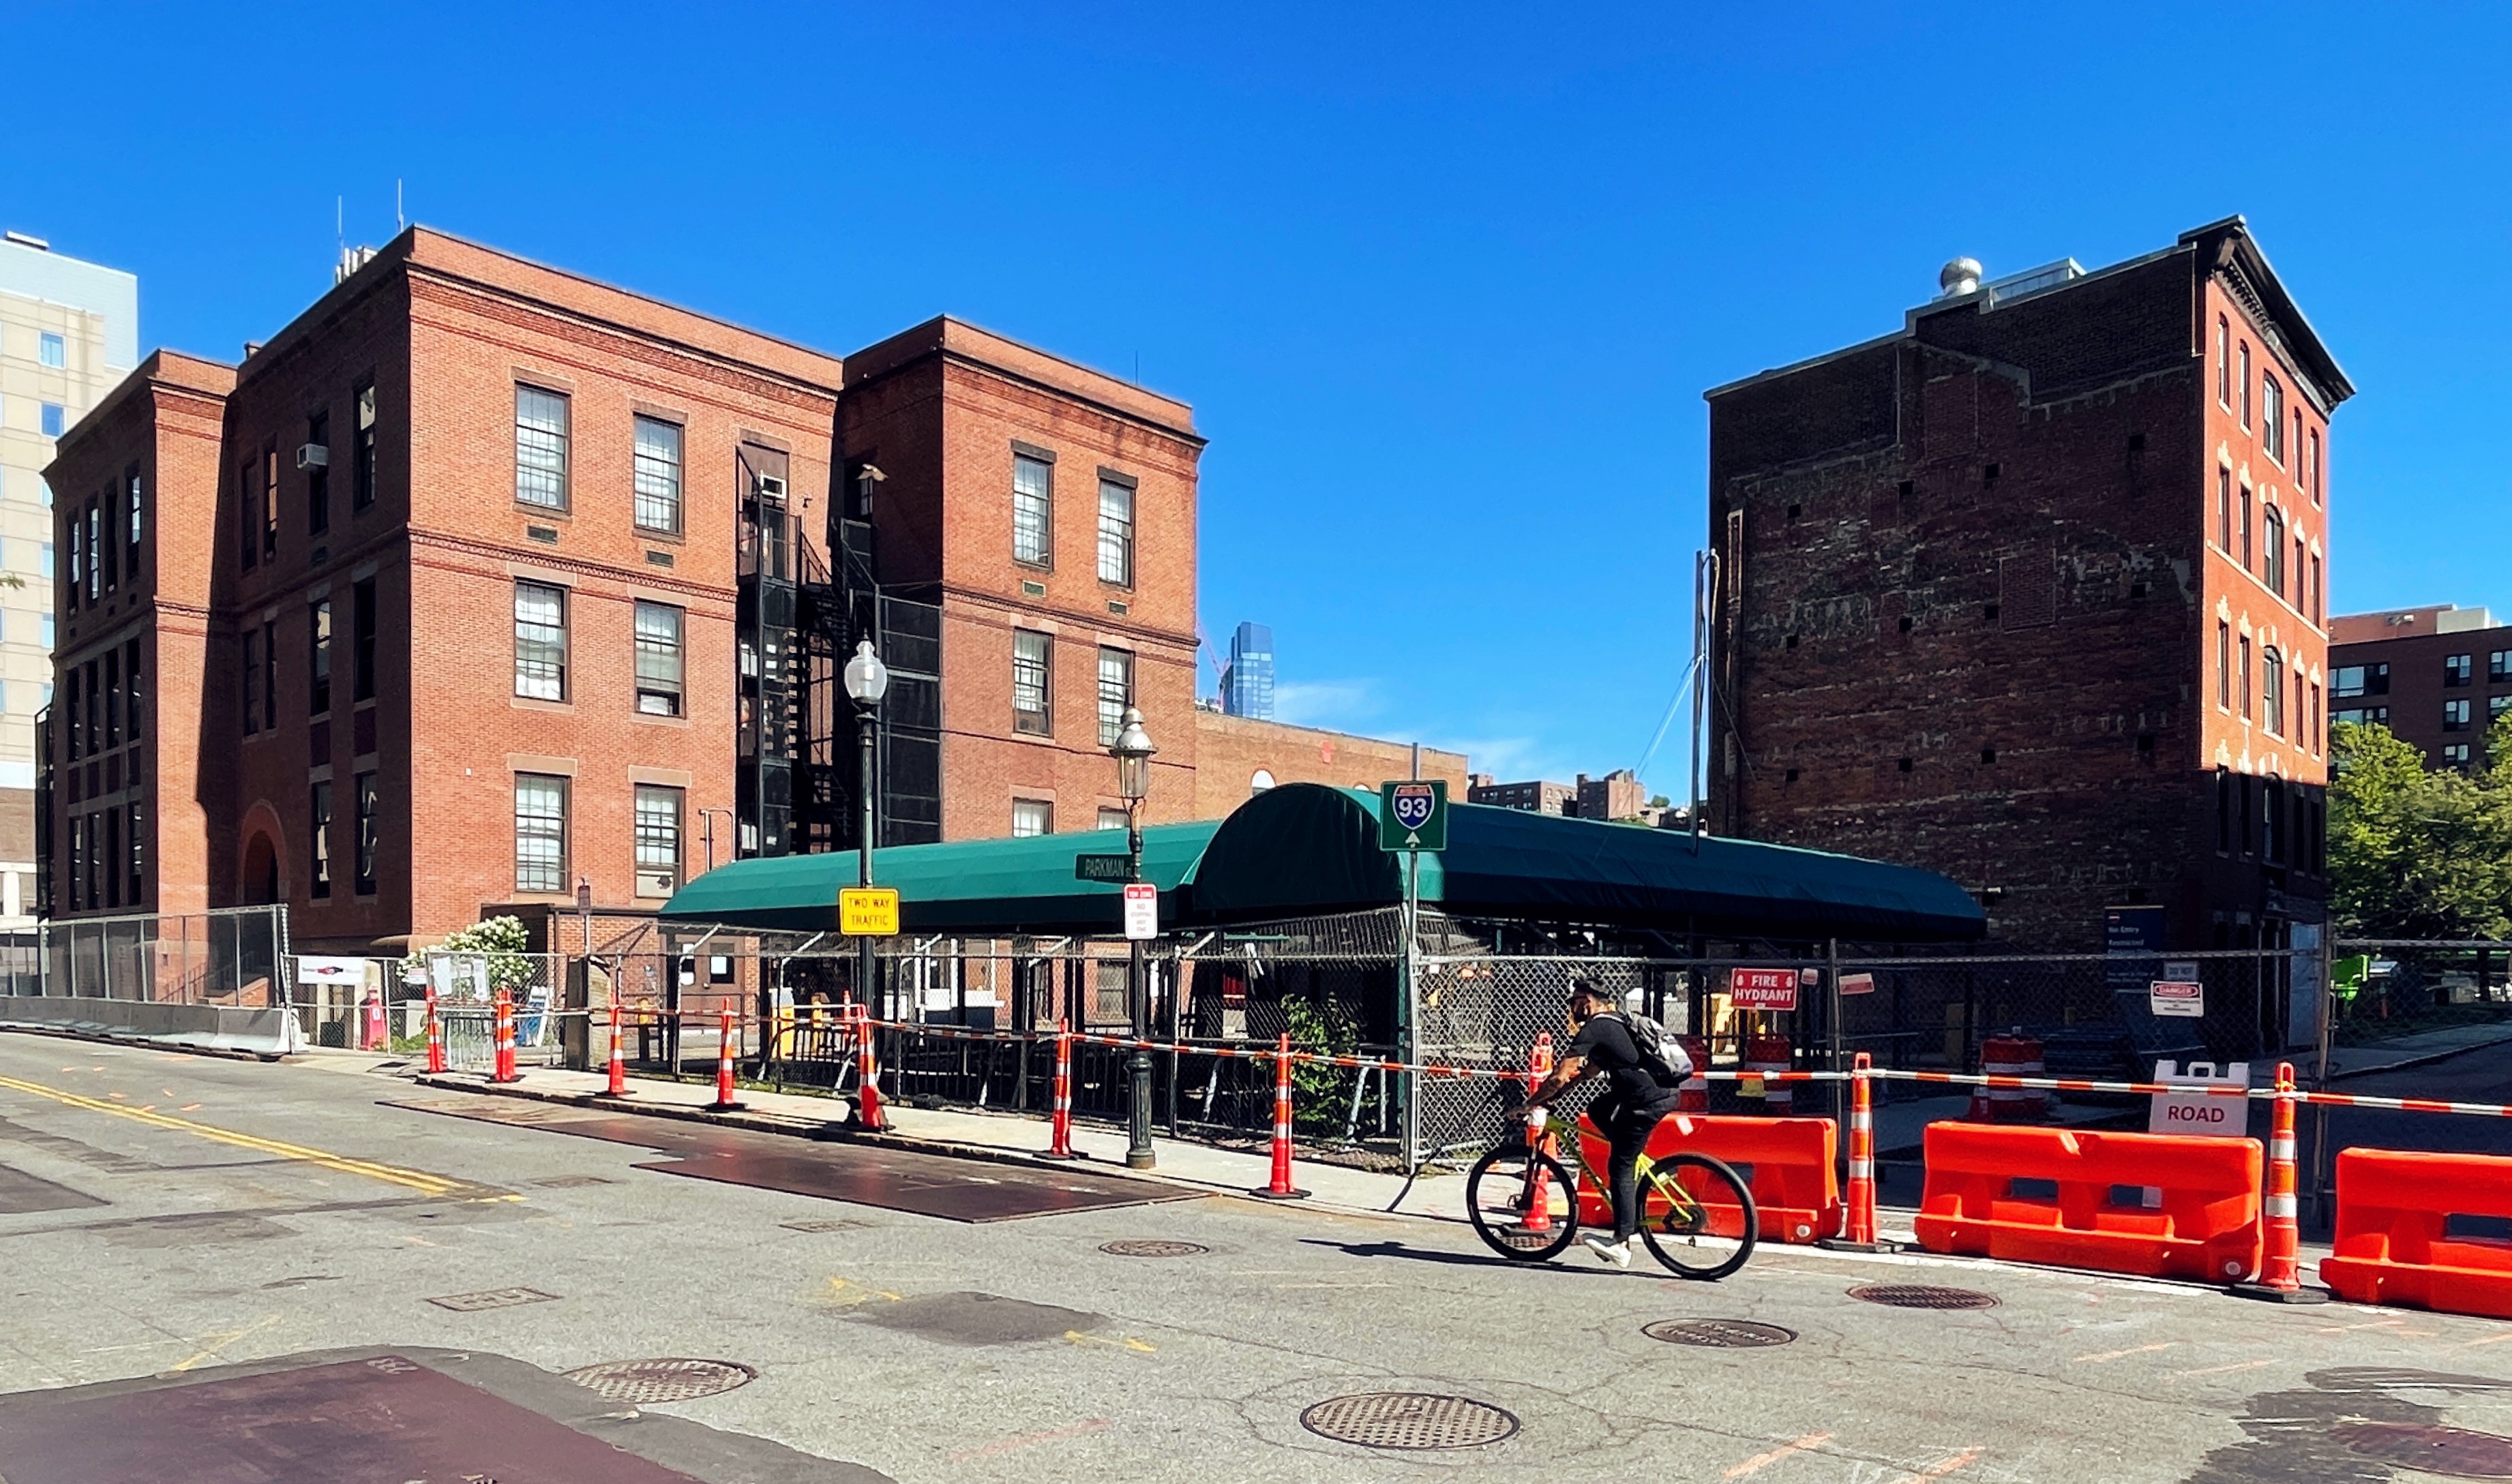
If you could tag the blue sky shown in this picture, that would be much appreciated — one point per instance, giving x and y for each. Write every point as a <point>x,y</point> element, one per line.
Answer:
<point>1443,284</point>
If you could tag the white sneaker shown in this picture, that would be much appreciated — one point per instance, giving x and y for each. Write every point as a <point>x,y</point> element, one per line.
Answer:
<point>1616,1254</point>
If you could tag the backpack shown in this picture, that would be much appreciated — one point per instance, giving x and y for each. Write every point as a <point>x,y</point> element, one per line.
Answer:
<point>1666,1060</point>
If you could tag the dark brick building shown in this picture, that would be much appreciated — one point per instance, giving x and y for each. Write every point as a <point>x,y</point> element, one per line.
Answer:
<point>2030,592</point>
<point>2437,676</point>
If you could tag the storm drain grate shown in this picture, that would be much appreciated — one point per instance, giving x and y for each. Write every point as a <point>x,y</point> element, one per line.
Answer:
<point>1719,1334</point>
<point>2430,1448</point>
<point>649,1382</point>
<point>1410,1421</point>
<point>1152,1247</point>
<point>570,1181</point>
<point>493,1298</point>
<point>1923,1296</point>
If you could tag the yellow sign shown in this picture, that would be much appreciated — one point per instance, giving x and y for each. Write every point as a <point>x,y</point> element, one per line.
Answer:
<point>868,912</point>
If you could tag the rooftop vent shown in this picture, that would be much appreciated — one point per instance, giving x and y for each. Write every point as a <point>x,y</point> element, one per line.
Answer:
<point>30,240</point>
<point>2032,279</point>
<point>351,260</point>
<point>1959,277</point>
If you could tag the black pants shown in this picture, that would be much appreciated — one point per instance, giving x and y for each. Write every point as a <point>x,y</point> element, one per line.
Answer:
<point>1627,1127</point>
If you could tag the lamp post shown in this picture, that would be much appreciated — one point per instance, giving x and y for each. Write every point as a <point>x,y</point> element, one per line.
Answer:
<point>867,682</point>
<point>1133,750</point>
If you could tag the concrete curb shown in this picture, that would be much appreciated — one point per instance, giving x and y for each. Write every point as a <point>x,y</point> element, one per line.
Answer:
<point>2429,1060</point>
<point>140,1043</point>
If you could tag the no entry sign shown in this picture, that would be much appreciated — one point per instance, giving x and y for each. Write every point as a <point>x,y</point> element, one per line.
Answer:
<point>1762,989</point>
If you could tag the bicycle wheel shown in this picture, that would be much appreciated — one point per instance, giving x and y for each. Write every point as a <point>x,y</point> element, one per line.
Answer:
<point>1698,1218</point>
<point>1497,1201</point>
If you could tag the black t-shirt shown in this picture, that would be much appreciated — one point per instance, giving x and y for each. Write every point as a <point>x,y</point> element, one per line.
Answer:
<point>1606,1043</point>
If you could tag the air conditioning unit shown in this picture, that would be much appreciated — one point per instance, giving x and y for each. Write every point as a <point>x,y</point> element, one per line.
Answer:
<point>313,455</point>
<point>770,488</point>
<point>654,884</point>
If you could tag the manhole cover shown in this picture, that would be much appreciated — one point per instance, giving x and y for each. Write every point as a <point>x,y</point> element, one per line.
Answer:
<point>572,1182</point>
<point>1411,1420</point>
<point>2430,1448</point>
<point>1923,1296</point>
<point>1719,1334</point>
<point>493,1298</point>
<point>1146,1247</point>
<point>825,1224</point>
<point>646,1382</point>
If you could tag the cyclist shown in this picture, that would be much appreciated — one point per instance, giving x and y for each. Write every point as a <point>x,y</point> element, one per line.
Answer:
<point>1626,1115</point>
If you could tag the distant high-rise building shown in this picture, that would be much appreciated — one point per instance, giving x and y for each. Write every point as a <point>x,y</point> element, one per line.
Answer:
<point>69,330</point>
<point>1247,686</point>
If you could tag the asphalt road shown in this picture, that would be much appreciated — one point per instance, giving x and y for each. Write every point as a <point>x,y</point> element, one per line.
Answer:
<point>171,1223</point>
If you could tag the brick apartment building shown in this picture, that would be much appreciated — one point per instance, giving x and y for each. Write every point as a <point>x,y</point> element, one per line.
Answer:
<point>1619,795</point>
<point>481,579</point>
<point>2030,592</point>
<point>2437,677</point>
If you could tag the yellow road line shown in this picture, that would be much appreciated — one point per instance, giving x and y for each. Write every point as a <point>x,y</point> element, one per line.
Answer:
<point>415,1180</point>
<point>223,1341</point>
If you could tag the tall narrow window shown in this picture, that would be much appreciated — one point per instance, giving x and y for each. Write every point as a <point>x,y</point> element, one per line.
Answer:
<point>96,552</point>
<point>659,659</point>
<point>658,474</point>
<point>540,447</point>
<point>2225,509</point>
<point>321,853</point>
<point>1033,818</point>
<point>94,710</point>
<point>2245,550</point>
<point>318,476</point>
<point>51,350</point>
<point>104,538</point>
<point>1115,693</point>
<point>2313,730</point>
<point>318,660</point>
<point>2223,364</point>
<point>658,840</point>
<point>135,858</point>
<point>1033,509</point>
<point>251,681</point>
<point>78,555</point>
<point>541,641</point>
<point>130,528</point>
<point>1115,532</point>
<point>2301,587</point>
<point>2246,689</point>
<point>1033,677</point>
<point>112,689</point>
<point>2246,383</point>
<point>2272,691</point>
<point>2294,450</point>
<point>2224,665</point>
<point>270,676</point>
<point>362,640</point>
<point>131,683</point>
<point>2311,463</point>
<point>2454,715</point>
<point>362,454</point>
<point>540,832</point>
<point>2272,550</point>
<point>366,830</point>
<point>270,501</point>
<point>2272,418</point>
<point>249,519</point>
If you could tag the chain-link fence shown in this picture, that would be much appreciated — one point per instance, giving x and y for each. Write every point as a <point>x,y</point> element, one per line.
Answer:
<point>228,958</point>
<point>2403,987</point>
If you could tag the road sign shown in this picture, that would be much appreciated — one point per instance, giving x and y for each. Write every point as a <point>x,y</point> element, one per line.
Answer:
<point>1142,910</point>
<point>315,970</point>
<point>2177,997</point>
<point>1858,984</point>
<point>1413,816</point>
<point>1762,989</point>
<point>868,912</point>
<point>1099,868</point>
<point>2197,1112</point>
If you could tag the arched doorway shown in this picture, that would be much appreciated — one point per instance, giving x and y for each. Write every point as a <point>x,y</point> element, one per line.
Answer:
<point>257,883</point>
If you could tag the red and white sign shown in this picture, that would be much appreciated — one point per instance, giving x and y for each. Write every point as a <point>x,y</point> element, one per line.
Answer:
<point>1858,984</point>
<point>2175,996</point>
<point>1762,989</point>
<point>1142,910</point>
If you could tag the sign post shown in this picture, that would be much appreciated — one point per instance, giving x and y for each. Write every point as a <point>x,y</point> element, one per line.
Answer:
<point>1412,817</point>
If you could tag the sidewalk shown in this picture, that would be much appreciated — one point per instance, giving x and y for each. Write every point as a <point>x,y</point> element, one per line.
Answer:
<point>2406,1051</point>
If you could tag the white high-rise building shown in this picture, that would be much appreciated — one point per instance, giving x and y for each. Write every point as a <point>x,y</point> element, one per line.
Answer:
<point>69,333</point>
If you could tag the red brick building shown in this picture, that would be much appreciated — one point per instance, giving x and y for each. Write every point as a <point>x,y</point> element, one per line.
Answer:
<point>2437,676</point>
<point>481,580</point>
<point>2030,592</point>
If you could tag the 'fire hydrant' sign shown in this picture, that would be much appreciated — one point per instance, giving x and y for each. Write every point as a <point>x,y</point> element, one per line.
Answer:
<point>2196,1112</point>
<point>1762,989</point>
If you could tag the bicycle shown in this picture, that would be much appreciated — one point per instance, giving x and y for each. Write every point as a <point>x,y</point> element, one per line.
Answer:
<point>1696,1213</point>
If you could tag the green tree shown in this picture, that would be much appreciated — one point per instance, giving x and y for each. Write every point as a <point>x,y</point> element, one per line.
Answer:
<point>508,947</point>
<point>2419,853</point>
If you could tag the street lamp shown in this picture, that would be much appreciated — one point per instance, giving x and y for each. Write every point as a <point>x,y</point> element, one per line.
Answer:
<point>867,682</point>
<point>1133,750</point>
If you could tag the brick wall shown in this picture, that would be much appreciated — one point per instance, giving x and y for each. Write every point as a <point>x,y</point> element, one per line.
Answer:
<point>1231,750</point>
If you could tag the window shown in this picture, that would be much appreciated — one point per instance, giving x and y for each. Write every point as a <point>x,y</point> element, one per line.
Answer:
<point>2455,755</point>
<point>131,530</point>
<point>2311,463</point>
<point>56,420</point>
<point>45,562</point>
<point>2311,728</point>
<point>2245,548</point>
<point>362,640</point>
<point>135,859</point>
<point>1033,509</point>
<point>2246,383</point>
<point>2458,669</point>
<point>251,681</point>
<point>362,455</point>
<point>270,677</point>
<point>2294,448</point>
<point>658,474</point>
<point>94,711</point>
<point>366,862</point>
<point>131,681</point>
<point>318,478</point>
<point>1033,674</point>
<point>1116,694</point>
<point>51,350</point>
<point>2272,549</point>
<point>2454,715</point>
<point>540,447</point>
<point>2495,706</point>
<point>248,538</point>
<point>48,631</point>
<point>77,734</point>
<point>2498,665</point>
<point>112,689</point>
<point>2272,418</point>
<point>659,659</point>
<point>1031,816</point>
<point>2360,679</point>
<point>321,854</point>
<point>540,832</point>
<point>2271,819</point>
<point>1111,819</point>
<point>2246,676</point>
<point>2225,509</point>
<point>541,641</point>
<point>318,663</point>
<point>2223,666</point>
<point>2223,364</point>
<point>270,501</point>
<point>2272,693</point>
<point>658,840</point>
<point>1115,532</point>
<point>104,538</point>
<point>78,556</point>
<point>2361,716</point>
<point>2311,595</point>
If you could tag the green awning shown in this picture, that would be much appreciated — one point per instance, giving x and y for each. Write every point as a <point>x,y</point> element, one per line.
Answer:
<point>969,887</point>
<point>1306,849</point>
